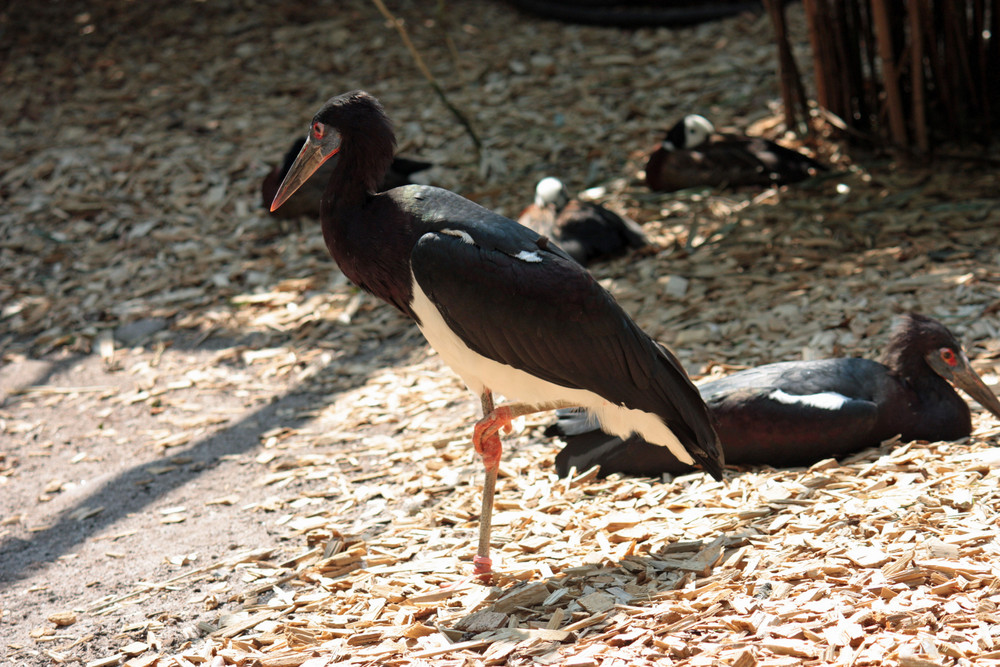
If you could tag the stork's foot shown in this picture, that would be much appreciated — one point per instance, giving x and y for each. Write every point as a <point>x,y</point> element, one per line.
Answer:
<point>483,566</point>
<point>486,436</point>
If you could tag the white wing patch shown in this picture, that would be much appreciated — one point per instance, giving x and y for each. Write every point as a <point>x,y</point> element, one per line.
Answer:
<point>530,257</point>
<point>826,400</point>
<point>524,255</point>
<point>466,238</point>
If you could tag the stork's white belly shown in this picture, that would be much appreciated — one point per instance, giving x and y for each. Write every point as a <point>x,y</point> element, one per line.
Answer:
<point>479,373</point>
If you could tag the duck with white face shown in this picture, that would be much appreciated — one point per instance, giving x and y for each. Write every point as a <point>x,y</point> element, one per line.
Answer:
<point>586,230</point>
<point>693,155</point>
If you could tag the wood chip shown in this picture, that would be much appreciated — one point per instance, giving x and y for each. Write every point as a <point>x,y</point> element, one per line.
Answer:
<point>106,661</point>
<point>63,618</point>
<point>867,556</point>
<point>482,621</point>
<point>597,602</point>
<point>523,596</point>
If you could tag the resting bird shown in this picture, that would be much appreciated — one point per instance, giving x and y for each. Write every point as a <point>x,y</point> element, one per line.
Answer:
<point>587,231</point>
<point>798,412</point>
<point>306,200</point>
<point>508,310</point>
<point>691,155</point>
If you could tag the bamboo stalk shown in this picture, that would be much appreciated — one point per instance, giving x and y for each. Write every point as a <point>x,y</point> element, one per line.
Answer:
<point>992,63</point>
<point>781,39</point>
<point>976,44</point>
<point>917,75</point>
<point>960,36</point>
<point>848,70</point>
<point>840,62</point>
<point>866,87</point>
<point>831,62</point>
<point>890,72</point>
<point>935,76</point>
<point>819,54</point>
<point>786,63</point>
<point>946,72</point>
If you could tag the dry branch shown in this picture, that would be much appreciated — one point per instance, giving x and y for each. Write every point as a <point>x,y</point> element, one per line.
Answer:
<point>422,66</point>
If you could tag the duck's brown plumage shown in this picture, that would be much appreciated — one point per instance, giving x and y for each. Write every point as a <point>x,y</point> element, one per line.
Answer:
<point>691,155</point>
<point>586,230</point>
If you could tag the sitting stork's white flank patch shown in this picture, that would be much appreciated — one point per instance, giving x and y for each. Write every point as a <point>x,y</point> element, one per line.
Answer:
<point>825,400</point>
<point>526,256</point>
<point>464,235</point>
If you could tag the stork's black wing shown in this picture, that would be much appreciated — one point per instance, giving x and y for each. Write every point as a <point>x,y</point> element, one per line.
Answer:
<point>796,413</point>
<point>514,297</point>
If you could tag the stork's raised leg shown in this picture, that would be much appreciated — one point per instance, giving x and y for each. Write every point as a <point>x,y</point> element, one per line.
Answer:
<point>486,440</point>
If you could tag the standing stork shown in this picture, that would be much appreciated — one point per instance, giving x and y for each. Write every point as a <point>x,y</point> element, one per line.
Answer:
<point>506,308</point>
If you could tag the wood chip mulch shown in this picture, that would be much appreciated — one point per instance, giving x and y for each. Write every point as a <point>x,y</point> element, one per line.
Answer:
<point>889,558</point>
<point>151,219</point>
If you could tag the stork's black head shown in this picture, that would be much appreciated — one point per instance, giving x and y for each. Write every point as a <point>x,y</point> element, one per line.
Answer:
<point>355,111</point>
<point>919,345</point>
<point>355,126</point>
<point>367,141</point>
<point>914,337</point>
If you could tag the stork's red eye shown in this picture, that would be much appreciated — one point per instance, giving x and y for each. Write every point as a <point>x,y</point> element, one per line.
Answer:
<point>318,130</point>
<point>948,356</point>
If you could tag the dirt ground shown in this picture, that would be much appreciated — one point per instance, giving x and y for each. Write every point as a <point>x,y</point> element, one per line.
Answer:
<point>199,416</point>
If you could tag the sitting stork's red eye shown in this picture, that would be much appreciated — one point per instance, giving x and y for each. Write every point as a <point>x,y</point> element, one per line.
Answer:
<point>948,356</point>
<point>318,130</point>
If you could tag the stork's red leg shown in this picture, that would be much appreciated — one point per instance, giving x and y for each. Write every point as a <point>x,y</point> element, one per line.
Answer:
<point>486,440</point>
<point>490,450</point>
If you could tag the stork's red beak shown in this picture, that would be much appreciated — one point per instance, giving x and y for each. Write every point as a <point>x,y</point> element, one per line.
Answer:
<point>965,378</point>
<point>319,147</point>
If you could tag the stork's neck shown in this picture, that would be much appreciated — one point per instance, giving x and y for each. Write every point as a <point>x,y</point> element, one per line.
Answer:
<point>907,365</point>
<point>341,210</point>
<point>367,235</point>
<point>354,179</point>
